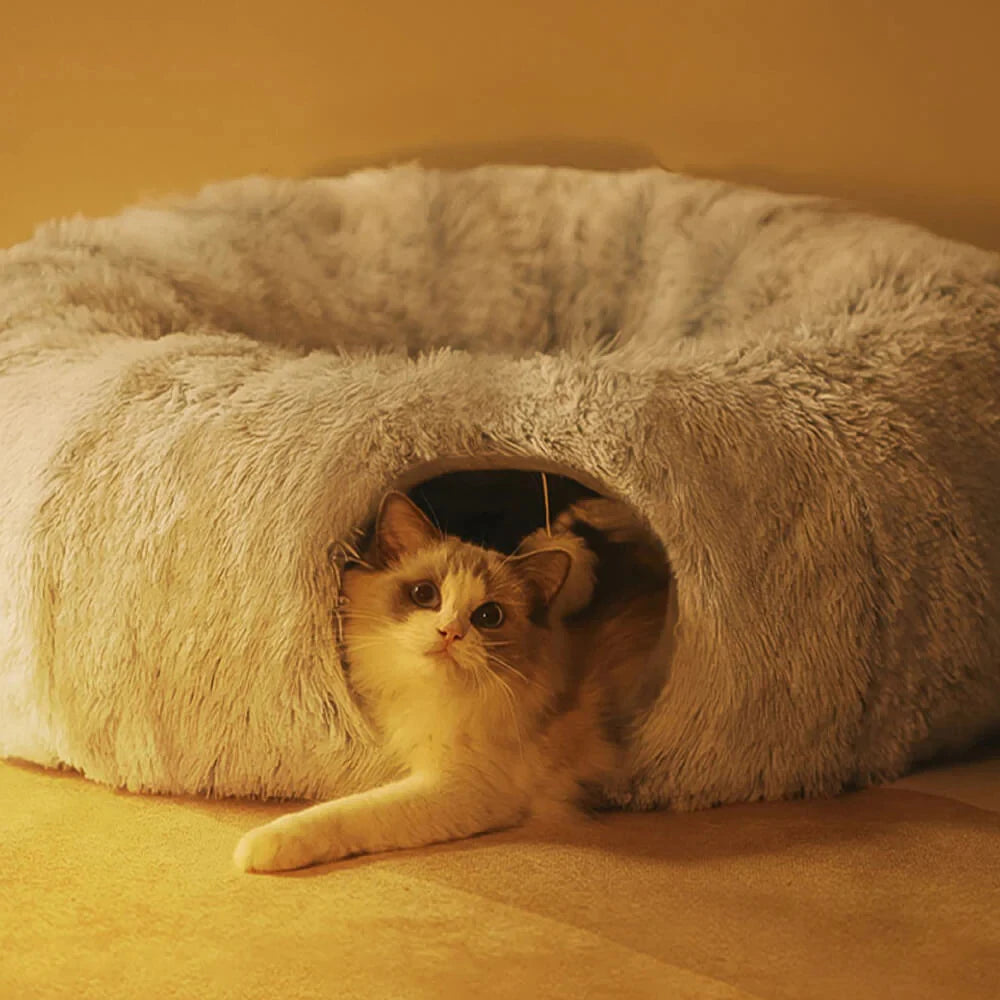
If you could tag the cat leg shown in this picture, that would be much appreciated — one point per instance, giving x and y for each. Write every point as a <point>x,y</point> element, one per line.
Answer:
<point>411,812</point>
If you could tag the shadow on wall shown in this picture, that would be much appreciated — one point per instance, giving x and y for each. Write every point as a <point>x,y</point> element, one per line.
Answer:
<point>954,214</point>
<point>584,154</point>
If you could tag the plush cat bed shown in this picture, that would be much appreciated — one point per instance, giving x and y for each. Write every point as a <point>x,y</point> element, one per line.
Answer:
<point>199,400</point>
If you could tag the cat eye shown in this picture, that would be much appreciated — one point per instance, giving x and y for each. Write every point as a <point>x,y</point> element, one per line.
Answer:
<point>425,595</point>
<point>489,615</point>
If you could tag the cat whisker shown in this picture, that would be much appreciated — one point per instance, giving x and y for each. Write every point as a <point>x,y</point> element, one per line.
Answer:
<point>368,625</point>
<point>355,612</point>
<point>509,667</point>
<point>368,643</point>
<point>493,658</point>
<point>361,620</point>
<point>511,703</point>
<point>516,552</point>
<point>501,662</point>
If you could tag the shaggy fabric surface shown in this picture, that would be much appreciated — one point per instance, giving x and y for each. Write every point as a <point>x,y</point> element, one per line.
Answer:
<point>890,892</point>
<point>198,398</point>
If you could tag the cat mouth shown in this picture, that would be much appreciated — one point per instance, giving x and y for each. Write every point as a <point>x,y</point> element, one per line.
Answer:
<point>441,652</point>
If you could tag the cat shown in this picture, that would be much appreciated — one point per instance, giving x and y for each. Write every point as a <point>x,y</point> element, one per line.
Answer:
<point>478,671</point>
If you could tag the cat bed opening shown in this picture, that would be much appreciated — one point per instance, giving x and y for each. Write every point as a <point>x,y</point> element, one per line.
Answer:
<point>495,507</point>
<point>499,508</point>
<point>196,397</point>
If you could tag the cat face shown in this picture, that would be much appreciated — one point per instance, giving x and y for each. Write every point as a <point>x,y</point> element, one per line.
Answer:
<point>437,608</point>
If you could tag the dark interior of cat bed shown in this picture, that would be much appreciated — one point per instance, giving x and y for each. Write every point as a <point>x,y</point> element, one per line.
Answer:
<point>496,508</point>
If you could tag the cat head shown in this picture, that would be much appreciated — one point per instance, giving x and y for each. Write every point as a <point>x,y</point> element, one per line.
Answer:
<point>432,606</point>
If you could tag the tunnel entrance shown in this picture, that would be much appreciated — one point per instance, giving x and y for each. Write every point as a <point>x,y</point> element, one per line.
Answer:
<point>495,508</point>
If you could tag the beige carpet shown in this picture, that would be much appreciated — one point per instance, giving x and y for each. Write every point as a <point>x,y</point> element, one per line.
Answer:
<point>889,893</point>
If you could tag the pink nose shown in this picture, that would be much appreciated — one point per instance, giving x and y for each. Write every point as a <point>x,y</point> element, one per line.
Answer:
<point>450,632</point>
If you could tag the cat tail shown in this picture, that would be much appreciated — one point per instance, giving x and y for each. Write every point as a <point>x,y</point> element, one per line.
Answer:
<point>618,537</point>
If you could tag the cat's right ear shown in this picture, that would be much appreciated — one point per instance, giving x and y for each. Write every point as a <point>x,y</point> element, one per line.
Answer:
<point>545,569</point>
<point>401,529</point>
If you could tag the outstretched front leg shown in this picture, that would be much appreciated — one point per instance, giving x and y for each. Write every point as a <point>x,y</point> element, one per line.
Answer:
<point>411,812</point>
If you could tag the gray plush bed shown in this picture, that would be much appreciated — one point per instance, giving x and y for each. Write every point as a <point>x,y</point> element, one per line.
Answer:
<point>199,398</point>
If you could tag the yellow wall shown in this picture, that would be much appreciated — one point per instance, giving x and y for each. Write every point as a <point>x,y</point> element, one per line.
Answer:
<point>891,103</point>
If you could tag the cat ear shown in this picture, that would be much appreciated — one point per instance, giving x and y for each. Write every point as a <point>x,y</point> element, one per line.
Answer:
<point>545,569</point>
<point>401,529</point>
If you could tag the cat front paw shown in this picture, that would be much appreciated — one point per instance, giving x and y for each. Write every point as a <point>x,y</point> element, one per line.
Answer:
<point>274,848</point>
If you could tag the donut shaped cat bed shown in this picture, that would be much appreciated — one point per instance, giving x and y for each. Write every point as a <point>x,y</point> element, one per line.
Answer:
<point>199,398</point>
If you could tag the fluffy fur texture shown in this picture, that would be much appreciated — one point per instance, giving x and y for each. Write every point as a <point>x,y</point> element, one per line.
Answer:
<point>196,398</point>
<point>463,661</point>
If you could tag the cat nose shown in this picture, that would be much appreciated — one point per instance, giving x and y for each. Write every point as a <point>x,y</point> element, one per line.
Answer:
<point>450,632</point>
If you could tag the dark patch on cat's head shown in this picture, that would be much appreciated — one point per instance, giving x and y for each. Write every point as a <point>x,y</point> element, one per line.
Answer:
<point>544,572</point>
<point>401,529</point>
<point>401,604</point>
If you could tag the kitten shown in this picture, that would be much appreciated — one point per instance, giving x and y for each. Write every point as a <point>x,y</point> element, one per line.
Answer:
<point>477,678</point>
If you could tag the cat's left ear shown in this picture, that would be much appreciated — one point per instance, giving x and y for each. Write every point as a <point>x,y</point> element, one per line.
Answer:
<point>401,529</point>
<point>545,569</point>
